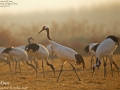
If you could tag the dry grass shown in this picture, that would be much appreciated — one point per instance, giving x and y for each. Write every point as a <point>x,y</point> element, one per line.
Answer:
<point>67,81</point>
<point>76,34</point>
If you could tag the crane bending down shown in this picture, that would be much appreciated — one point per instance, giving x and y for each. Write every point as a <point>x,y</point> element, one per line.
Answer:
<point>64,53</point>
<point>105,60</point>
<point>40,52</point>
<point>19,54</point>
<point>88,48</point>
<point>106,49</point>
<point>4,57</point>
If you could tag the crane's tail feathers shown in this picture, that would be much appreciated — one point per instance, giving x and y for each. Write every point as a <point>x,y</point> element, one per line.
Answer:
<point>86,49</point>
<point>34,47</point>
<point>7,50</point>
<point>80,60</point>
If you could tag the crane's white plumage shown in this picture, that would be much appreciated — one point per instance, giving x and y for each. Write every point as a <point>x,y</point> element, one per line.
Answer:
<point>67,54</point>
<point>21,47</point>
<point>64,53</point>
<point>17,53</point>
<point>40,52</point>
<point>106,49</point>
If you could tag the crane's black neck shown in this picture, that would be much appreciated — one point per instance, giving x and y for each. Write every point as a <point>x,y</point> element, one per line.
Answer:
<point>48,36</point>
<point>29,41</point>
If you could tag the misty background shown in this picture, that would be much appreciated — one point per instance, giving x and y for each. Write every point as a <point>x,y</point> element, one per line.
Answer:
<point>73,26</point>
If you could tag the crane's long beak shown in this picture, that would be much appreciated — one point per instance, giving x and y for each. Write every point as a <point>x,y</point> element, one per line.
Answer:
<point>41,31</point>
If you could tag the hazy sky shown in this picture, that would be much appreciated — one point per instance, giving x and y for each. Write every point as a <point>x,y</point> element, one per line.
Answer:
<point>47,5</point>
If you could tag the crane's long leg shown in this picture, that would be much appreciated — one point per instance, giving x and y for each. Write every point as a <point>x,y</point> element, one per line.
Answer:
<point>93,71</point>
<point>60,72</point>
<point>8,61</point>
<point>111,60</point>
<point>15,66</point>
<point>43,69</point>
<point>50,65</point>
<point>25,65</point>
<point>36,64</point>
<point>116,66</point>
<point>92,61</point>
<point>19,67</point>
<point>10,66</point>
<point>104,66</point>
<point>75,72</point>
<point>32,67</point>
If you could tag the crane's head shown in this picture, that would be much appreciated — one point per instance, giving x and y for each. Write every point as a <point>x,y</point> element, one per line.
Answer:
<point>31,38</point>
<point>44,28</point>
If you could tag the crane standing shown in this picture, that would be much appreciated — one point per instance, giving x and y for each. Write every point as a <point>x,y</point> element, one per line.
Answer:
<point>64,53</point>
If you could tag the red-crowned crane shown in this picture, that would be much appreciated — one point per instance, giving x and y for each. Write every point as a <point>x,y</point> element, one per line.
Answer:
<point>106,49</point>
<point>92,49</point>
<point>88,49</point>
<point>18,54</point>
<point>40,52</point>
<point>64,53</point>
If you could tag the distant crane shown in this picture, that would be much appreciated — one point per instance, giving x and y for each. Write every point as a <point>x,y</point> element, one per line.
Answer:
<point>29,42</point>
<point>29,39</point>
<point>65,54</point>
<point>106,49</point>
